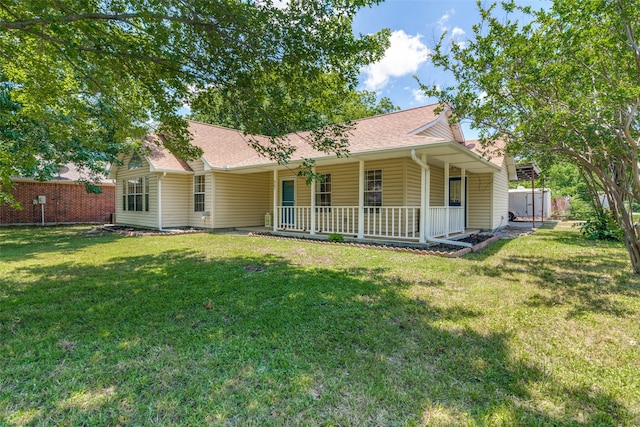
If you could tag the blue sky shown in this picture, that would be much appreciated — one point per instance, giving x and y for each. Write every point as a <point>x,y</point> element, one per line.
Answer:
<point>416,26</point>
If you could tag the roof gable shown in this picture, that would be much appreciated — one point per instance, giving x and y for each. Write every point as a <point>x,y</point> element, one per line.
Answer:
<point>225,148</point>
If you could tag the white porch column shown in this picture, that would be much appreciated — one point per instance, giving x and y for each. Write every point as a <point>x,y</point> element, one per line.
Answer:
<point>463,197</point>
<point>275,200</point>
<point>160,201</point>
<point>423,202</point>
<point>446,197</point>
<point>313,202</point>
<point>427,199</point>
<point>361,201</point>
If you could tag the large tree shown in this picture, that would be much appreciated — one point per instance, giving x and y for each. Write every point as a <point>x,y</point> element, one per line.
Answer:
<point>562,82</point>
<point>218,107</point>
<point>81,80</point>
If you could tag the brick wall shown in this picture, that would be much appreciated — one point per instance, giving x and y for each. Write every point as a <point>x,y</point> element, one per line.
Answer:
<point>66,203</point>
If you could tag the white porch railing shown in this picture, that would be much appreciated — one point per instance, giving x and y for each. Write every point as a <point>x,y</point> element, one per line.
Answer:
<point>294,218</point>
<point>456,219</point>
<point>401,222</point>
<point>392,221</point>
<point>337,219</point>
<point>437,221</point>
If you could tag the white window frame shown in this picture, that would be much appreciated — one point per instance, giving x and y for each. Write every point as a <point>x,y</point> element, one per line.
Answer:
<point>371,177</point>
<point>199,188</point>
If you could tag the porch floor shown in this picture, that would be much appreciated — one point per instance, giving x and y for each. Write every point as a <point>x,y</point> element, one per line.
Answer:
<point>379,240</point>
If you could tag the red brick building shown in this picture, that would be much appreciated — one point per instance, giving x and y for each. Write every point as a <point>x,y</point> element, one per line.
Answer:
<point>65,201</point>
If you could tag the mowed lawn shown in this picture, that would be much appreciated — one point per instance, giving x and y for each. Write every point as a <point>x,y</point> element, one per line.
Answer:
<point>205,329</point>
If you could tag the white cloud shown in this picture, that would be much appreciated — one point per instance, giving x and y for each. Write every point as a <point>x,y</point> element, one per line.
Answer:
<point>457,32</point>
<point>405,54</point>
<point>418,95</point>
<point>443,22</point>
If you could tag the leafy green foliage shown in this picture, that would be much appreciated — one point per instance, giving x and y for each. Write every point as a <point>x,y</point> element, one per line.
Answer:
<point>559,84</point>
<point>222,108</point>
<point>81,79</point>
<point>601,226</point>
<point>580,209</point>
<point>336,238</point>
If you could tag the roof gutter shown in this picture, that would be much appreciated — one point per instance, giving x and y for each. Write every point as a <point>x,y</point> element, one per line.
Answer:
<point>425,167</point>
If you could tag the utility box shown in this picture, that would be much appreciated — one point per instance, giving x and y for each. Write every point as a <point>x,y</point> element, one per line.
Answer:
<point>522,201</point>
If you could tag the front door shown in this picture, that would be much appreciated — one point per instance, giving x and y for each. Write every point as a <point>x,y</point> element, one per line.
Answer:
<point>288,202</point>
<point>455,194</point>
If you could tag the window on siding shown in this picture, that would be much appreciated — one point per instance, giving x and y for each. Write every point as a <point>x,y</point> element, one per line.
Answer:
<point>198,193</point>
<point>135,162</point>
<point>373,188</point>
<point>146,193</point>
<point>323,192</point>
<point>124,195</point>
<point>134,194</point>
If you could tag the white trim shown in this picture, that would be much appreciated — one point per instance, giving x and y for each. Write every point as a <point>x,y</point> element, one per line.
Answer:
<point>446,196</point>
<point>295,189</point>
<point>361,200</point>
<point>275,199</point>
<point>463,195</point>
<point>313,202</point>
<point>430,124</point>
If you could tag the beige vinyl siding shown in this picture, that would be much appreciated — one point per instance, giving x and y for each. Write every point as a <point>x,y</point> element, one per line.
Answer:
<point>142,218</point>
<point>242,200</point>
<point>344,183</point>
<point>479,193</point>
<point>440,130</point>
<point>197,166</point>
<point>196,218</point>
<point>414,182</point>
<point>436,189</point>
<point>400,183</point>
<point>175,200</point>
<point>393,185</point>
<point>500,198</point>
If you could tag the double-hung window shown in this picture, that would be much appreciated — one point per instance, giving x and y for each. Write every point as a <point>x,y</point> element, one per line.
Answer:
<point>373,189</point>
<point>135,194</point>
<point>198,193</point>
<point>323,193</point>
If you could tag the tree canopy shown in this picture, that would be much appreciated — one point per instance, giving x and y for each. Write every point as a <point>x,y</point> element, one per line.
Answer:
<point>561,83</point>
<point>81,80</point>
<point>217,107</point>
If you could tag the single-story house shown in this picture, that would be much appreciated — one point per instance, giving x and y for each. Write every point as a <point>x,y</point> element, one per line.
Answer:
<point>410,176</point>
<point>60,200</point>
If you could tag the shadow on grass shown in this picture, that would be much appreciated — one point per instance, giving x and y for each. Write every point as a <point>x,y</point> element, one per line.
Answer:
<point>19,243</point>
<point>588,280</point>
<point>181,339</point>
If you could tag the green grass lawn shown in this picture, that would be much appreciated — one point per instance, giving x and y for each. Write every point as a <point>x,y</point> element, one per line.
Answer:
<point>207,329</point>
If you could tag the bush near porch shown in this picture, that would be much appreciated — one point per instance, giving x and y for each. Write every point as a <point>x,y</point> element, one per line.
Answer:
<point>100,329</point>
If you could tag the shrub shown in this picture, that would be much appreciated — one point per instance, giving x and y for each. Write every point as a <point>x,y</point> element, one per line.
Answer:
<point>580,209</point>
<point>601,226</point>
<point>336,238</point>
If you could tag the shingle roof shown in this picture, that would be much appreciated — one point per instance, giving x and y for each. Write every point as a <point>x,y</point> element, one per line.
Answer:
<point>494,153</point>
<point>73,173</point>
<point>162,159</point>
<point>229,148</point>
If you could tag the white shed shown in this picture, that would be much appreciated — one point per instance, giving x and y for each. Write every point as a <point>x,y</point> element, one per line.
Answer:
<point>523,200</point>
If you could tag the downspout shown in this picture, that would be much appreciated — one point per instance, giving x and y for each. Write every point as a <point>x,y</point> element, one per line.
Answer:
<point>425,168</point>
<point>160,200</point>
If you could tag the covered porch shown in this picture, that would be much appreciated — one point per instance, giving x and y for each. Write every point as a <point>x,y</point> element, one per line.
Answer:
<point>420,221</point>
<point>388,222</point>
